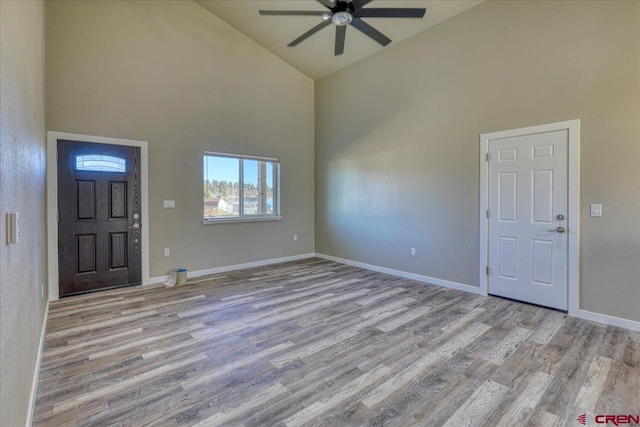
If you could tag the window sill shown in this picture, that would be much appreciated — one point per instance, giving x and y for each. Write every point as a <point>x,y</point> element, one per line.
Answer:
<point>245,219</point>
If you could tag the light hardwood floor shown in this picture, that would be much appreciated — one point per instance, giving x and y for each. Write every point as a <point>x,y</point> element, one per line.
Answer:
<point>315,342</point>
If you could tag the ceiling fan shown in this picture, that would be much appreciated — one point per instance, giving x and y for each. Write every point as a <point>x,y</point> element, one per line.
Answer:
<point>347,12</point>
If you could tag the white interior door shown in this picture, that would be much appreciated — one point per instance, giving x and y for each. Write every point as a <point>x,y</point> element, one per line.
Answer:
<point>527,226</point>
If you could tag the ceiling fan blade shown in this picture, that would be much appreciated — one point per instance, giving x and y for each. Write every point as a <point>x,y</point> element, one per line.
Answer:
<point>357,4</point>
<point>390,13</point>
<point>341,32</point>
<point>327,3</point>
<point>293,12</point>
<point>370,31</point>
<point>310,32</point>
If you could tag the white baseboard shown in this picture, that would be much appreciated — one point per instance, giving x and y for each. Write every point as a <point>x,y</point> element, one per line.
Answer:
<point>583,314</point>
<point>36,373</point>
<point>608,320</point>
<point>224,269</point>
<point>406,275</point>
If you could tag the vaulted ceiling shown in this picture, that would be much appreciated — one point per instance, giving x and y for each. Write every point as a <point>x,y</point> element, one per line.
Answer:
<point>315,55</point>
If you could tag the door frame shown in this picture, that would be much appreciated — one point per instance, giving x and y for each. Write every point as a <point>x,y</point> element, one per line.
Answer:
<point>52,201</point>
<point>573,223</point>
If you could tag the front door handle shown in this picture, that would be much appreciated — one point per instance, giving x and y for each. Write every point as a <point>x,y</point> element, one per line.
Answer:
<point>558,230</point>
<point>135,226</point>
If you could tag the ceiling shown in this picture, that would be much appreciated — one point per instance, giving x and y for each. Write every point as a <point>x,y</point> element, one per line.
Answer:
<point>314,56</point>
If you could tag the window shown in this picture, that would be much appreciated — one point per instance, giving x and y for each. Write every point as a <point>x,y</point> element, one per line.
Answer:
<point>100,163</point>
<point>240,187</point>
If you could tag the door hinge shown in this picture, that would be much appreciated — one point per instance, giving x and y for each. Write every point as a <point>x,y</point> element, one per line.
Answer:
<point>487,157</point>
<point>488,213</point>
<point>488,271</point>
<point>57,153</point>
<point>57,217</point>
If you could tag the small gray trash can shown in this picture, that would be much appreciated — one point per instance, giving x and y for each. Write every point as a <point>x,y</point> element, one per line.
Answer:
<point>181,276</point>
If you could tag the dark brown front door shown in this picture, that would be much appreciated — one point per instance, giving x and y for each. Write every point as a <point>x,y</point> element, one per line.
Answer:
<point>98,216</point>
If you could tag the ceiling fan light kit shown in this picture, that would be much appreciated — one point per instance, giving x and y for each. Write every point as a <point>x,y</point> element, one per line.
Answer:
<point>342,18</point>
<point>348,12</point>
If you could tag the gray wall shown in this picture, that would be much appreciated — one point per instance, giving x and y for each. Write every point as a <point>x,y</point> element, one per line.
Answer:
<point>22,189</point>
<point>397,139</point>
<point>173,74</point>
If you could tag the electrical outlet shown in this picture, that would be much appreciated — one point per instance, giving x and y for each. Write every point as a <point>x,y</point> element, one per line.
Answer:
<point>295,237</point>
<point>596,209</point>
<point>167,251</point>
<point>413,251</point>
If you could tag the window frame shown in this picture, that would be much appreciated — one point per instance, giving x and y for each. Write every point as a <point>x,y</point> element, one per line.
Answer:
<point>275,216</point>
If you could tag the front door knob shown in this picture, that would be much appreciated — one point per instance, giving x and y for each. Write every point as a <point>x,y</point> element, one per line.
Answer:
<point>558,230</point>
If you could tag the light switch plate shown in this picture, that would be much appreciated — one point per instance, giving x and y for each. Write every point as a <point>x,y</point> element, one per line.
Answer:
<point>596,209</point>
<point>169,204</point>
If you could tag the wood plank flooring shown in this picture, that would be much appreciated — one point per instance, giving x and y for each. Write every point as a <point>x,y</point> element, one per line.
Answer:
<point>315,342</point>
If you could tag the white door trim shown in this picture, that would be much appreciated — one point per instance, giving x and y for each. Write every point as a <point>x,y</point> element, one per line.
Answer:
<point>573,224</point>
<point>52,201</point>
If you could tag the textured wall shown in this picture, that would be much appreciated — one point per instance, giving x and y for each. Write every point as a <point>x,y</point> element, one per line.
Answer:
<point>397,139</point>
<point>22,189</point>
<point>173,74</point>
